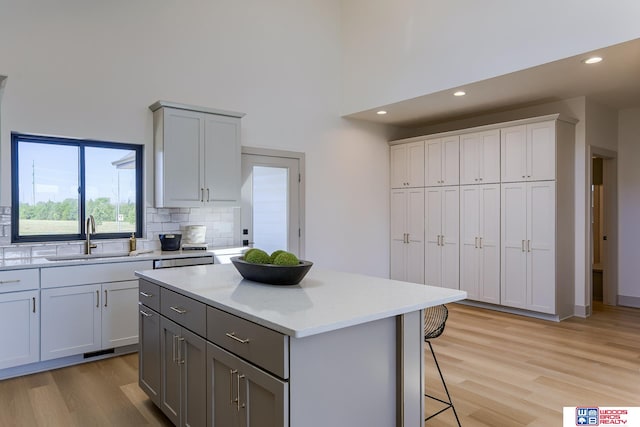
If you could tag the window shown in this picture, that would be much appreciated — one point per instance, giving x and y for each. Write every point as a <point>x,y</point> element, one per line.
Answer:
<point>56,183</point>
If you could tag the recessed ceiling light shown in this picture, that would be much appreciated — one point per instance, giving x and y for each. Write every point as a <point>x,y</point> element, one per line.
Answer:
<point>592,60</point>
<point>381,113</point>
<point>459,93</point>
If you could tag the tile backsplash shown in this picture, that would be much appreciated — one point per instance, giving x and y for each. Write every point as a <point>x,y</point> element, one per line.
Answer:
<point>223,229</point>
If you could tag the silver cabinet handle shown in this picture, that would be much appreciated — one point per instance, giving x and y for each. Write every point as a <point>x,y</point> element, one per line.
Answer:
<point>105,298</point>
<point>202,194</point>
<point>34,304</point>
<point>233,336</point>
<point>480,242</point>
<point>232,372</point>
<point>173,349</point>
<point>4,282</point>
<point>181,358</point>
<point>480,179</point>
<point>208,195</point>
<point>178,310</point>
<point>146,295</point>
<point>528,245</point>
<point>523,240</point>
<point>476,243</point>
<point>238,378</point>
<point>97,299</point>
<point>407,238</point>
<point>145,314</point>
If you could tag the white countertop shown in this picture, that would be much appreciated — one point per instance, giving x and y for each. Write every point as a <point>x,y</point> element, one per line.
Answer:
<point>325,300</point>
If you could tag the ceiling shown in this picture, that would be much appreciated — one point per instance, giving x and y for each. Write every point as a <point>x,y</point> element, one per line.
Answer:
<point>614,82</point>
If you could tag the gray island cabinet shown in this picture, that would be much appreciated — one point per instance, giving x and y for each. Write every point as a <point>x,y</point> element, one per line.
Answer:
<point>338,349</point>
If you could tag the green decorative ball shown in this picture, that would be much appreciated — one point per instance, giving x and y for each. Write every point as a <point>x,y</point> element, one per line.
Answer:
<point>275,254</point>
<point>257,256</point>
<point>286,258</point>
<point>248,252</point>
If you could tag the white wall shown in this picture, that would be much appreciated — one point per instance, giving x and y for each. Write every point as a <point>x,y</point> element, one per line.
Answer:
<point>401,49</point>
<point>91,69</point>
<point>629,206</point>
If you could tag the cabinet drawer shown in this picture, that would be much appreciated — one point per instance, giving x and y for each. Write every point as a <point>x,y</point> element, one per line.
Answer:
<point>19,280</point>
<point>263,346</point>
<point>184,311</point>
<point>72,275</point>
<point>149,294</point>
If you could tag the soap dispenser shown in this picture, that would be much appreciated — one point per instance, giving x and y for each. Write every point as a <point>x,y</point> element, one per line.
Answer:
<point>132,242</point>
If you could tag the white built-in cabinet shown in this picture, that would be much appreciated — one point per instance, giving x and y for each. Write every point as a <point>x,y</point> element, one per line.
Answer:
<point>407,235</point>
<point>480,157</point>
<point>442,248</point>
<point>528,245</point>
<point>19,317</point>
<point>197,156</point>
<point>528,152</point>
<point>407,165</point>
<point>480,242</point>
<point>514,183</point>
<point>442,161</point>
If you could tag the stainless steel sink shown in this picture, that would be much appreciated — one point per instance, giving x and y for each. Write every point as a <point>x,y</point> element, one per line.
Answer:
<point>72,257</point>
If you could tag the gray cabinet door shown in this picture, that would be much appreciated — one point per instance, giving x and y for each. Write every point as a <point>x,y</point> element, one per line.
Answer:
<point>193,359</point>
<point>170,370</point>
<point>242,394</point>
<point>149,353</point>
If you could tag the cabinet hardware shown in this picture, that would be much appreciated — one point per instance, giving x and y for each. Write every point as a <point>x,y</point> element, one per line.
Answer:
<point>178,310</point>
<point>233,336</point>
<point>232,372</point>
<point>528,245</point>
<point>238,378</point>
<point>208,195</point>
<point>480,179</point>
<point>523,176</point>
<point>146,295</point>
<point>202,194</point>
<point>476,243</point>
<point>97,299</point>
<point>181,358</point>
<point>173,349</point>
<point>4,282</point>
<point>34,304</point>
<point>106,299</point>
<point>145,314</point>
<point>523,240</point>
<point>480,242</point>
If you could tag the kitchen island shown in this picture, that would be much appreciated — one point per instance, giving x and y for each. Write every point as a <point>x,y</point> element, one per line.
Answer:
<point>338,349</point>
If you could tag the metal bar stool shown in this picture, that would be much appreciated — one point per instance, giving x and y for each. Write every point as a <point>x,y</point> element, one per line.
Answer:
<point>434,322</point>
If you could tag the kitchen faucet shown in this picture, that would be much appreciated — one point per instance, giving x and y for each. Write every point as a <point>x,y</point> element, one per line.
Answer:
<point>91,228</point>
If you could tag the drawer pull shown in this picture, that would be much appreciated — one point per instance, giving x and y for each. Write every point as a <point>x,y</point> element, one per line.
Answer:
<point>145,314</point>
<point>4,282</point>
<point>146,295</point>
<point>178,310</point>
<point>233,336</point>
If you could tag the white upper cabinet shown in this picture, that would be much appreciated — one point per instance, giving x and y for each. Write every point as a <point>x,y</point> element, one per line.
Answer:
<point>480,157</point>
<point>197,156</point>
<point>442,161</point>
<point>407,165</point>
<point>528,152</point>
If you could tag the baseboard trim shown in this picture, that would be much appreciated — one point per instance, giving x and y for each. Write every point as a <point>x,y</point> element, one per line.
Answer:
<point>517,311</point>
<point>629,301</point>
<point>583,311</point>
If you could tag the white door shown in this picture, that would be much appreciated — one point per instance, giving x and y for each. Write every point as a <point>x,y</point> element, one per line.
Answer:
<point>398,235</point>
<point>398,159</point>
<point>489,243</point>
<point>415,164</point>
<point>541,230</point>
<point>119,313</point>
<point>415,238</point>
<point>470,152</point>
<point>451,160</point>
<point>541,151</point>
<point>490,157</point>
<point>271,203</point>
<point>469,233</point>
<point>514,244</point>
<point>433,231</point>
<point>513,141</point>
<point>450,241</point>
<point>221,158</point>
<point>19,328</point>
<point>433,162</point>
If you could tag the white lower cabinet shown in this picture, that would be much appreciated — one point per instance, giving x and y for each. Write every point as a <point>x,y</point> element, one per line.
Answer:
<point>407,235</point>
<point>19,328</point>
<point>528,246</point>
<point>87,318</point>
<point>480,242</point>
<point>442,237</point>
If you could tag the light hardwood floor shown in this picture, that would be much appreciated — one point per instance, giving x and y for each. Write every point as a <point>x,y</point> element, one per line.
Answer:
<point>501,369</point>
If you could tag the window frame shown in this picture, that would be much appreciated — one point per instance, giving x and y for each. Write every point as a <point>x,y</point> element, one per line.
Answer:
<point>17,137</point>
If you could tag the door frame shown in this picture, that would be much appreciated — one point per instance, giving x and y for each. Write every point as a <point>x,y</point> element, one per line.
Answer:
<point>270,152</point>
<point>609,227</point>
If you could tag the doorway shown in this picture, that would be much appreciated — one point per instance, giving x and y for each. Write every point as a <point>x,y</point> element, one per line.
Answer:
<point>604,227</point>
<point>272,200</point>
